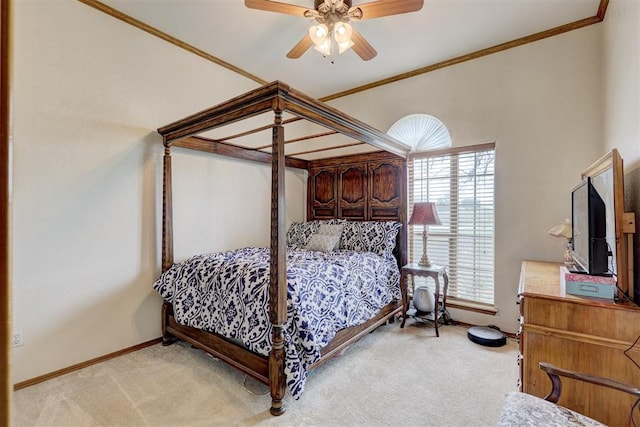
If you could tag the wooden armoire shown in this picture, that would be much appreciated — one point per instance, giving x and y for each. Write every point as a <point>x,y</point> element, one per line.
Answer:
<point>364,187</point>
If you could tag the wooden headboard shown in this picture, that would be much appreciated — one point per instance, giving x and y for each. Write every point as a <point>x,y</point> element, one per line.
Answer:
<point>363,187</point>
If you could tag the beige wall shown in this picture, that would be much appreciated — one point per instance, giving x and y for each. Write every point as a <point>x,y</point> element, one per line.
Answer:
<point>91,90</point>
<point>621,80</point>
<point>89,93</point>
<point>541,104</point>
<point>621,83</point>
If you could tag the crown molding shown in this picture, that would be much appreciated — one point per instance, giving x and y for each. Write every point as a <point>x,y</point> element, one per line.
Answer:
<point>598,17</point>
<point>168,38</point>
<point>468,57</point>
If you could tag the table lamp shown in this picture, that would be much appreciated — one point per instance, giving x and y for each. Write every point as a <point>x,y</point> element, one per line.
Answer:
<point>564,230</point>
<point>424,213</point>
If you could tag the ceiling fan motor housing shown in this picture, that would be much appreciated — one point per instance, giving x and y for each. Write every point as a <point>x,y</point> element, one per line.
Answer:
<point>322,7</point>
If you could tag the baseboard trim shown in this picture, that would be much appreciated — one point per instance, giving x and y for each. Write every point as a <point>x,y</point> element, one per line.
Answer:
<point>77,367</point>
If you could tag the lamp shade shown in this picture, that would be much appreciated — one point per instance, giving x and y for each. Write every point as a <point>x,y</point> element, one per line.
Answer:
<point>324,47</point>
<point>424,213</point>
<point>318,33</point>
<point>561,230</point>
<point>342,32</point>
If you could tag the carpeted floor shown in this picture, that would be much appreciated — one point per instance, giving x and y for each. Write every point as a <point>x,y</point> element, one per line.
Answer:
<point>393,377</point>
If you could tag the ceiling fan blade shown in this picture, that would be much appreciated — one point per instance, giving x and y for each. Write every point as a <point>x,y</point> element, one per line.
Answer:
<point>301,47</point>
<point>377,9</point>
<point>362,47</point>
<point>274,6</point>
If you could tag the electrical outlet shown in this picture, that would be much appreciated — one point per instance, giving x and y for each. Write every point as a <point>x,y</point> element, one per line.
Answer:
<point>17,339</point>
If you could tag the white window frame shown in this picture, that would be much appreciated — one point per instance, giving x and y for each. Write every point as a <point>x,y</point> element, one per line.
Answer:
<point>473,287</point>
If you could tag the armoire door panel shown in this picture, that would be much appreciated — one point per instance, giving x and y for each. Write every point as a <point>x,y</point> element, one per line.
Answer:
<point>322,188</point>
<point>353,184</point>
<point>386,190</point>
<point>384,179</point>
<point>352,191</point>
<point>384,213</point>
<point>353,213</point>
<point>323,213</point>
<point>324,185</point>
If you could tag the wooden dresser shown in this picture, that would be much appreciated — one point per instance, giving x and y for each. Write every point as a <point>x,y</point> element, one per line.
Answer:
<point>577,333</point>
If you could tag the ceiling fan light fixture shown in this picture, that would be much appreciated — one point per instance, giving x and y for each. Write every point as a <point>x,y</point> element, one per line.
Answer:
<point>323,37</point>
<point>324,47</point>
<point>345,46</point>
<point>332,32</point>
<point>319,34</point>
<point>342,32</point>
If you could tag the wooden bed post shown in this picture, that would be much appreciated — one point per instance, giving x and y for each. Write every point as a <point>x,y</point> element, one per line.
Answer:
<point>167,211</point>
<point>278,266</point>
<point>167,236</point>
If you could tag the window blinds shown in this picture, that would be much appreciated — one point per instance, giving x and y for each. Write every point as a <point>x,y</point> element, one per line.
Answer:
<point>460,181</point>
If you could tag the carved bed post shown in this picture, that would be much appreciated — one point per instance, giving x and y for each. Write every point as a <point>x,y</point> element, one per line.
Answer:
<point>167,211</point>
<point>167,235</point>
<point>278,266</point>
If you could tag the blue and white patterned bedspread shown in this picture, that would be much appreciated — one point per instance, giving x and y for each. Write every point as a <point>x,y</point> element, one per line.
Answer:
<point>228,292</point>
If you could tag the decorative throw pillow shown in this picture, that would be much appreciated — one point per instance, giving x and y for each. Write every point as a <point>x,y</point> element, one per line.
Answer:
<point>331,230</point>
<point>299,233</point>
<point>370,236</point>
<point>322,242</point>
<point>332,221</point>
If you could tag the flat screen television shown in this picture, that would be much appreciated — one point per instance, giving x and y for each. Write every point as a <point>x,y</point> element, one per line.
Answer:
<point>589,230</point>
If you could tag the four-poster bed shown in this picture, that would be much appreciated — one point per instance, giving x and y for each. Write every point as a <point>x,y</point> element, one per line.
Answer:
<point>364,187</point>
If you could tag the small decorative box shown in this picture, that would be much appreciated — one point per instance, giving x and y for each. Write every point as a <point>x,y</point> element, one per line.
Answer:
<point>589,286</point>
<point>579,277</point>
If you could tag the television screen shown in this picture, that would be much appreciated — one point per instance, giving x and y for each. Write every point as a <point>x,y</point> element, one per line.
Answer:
<point>589,229</point>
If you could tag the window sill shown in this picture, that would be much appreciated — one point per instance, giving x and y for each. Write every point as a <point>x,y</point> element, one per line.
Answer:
<point>471,306</point>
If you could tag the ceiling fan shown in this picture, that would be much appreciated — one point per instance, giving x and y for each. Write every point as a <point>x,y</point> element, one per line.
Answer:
<point>332,17</point>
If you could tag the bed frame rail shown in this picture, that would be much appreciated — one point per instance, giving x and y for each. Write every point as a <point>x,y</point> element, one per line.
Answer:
<point>257,366</point>
<point>252,364</point>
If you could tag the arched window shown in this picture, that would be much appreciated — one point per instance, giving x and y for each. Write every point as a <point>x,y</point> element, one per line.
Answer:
<point>460,181</point>
<point>421,131</point>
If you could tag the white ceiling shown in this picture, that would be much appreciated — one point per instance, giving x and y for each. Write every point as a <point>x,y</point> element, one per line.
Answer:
<point>257,41</point>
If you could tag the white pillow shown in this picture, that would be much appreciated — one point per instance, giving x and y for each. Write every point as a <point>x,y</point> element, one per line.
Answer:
<point>322,242</point>
<point>331,230</point>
